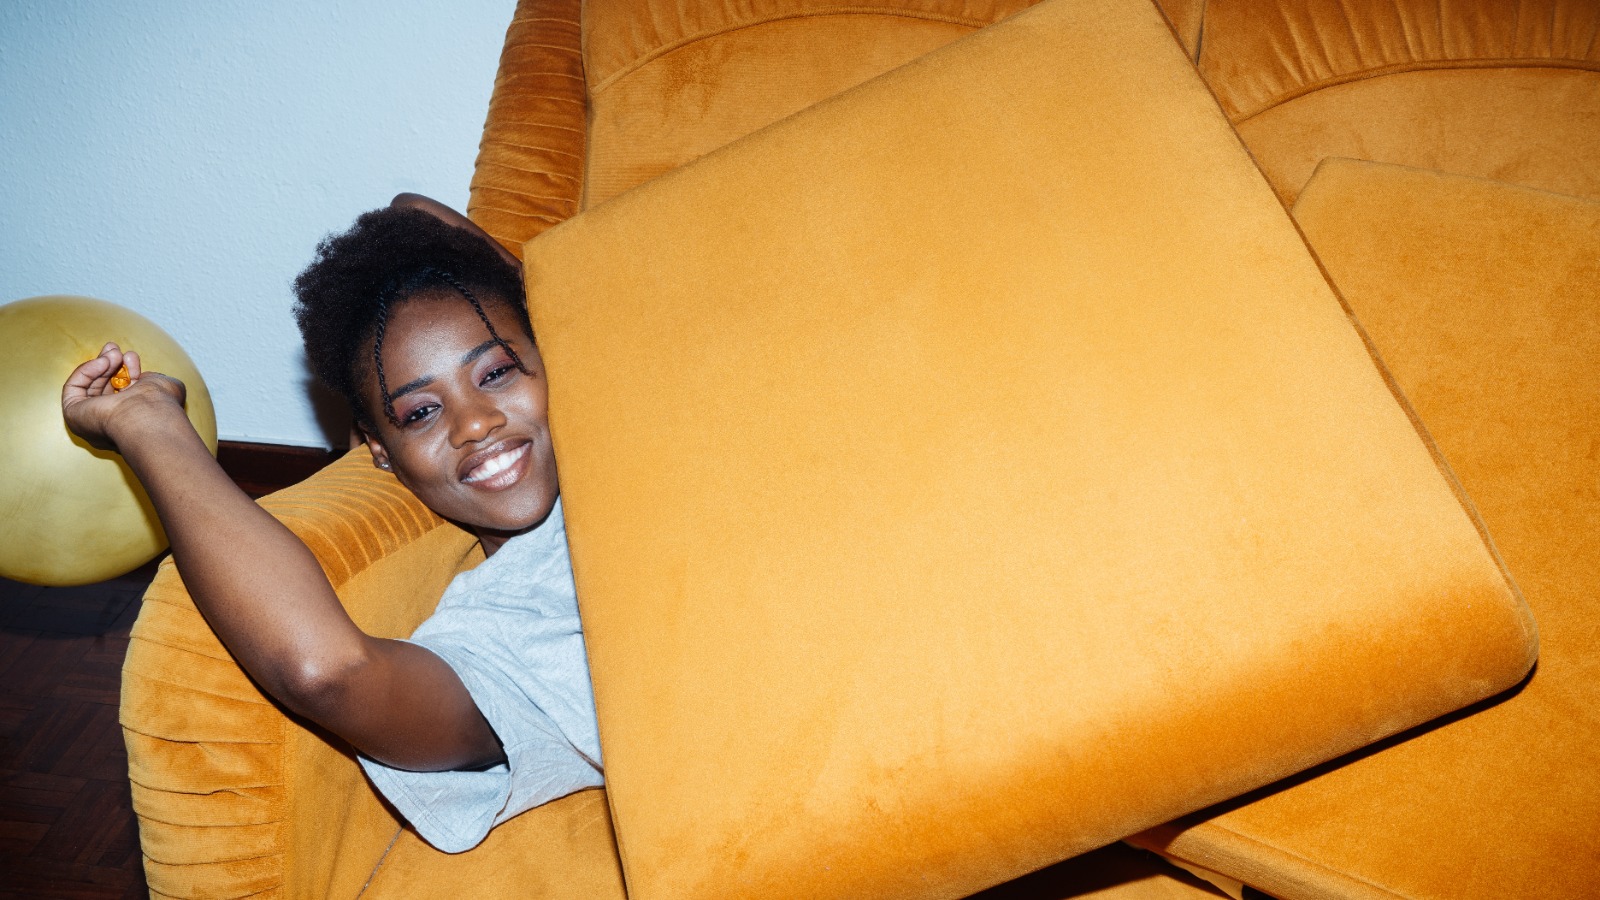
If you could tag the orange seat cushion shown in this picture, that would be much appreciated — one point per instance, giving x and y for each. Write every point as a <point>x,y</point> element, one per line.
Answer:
<point>976,468</point>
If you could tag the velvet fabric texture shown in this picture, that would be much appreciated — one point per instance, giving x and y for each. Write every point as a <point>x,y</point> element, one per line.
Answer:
<point>939,461</point>
<point>671,80</point>
<point>1482,298</point>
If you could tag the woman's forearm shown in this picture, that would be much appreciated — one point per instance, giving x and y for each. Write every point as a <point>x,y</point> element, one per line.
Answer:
<point>257,584</point>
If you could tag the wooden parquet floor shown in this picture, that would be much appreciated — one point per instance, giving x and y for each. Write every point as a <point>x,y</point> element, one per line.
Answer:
<point>67,828</point>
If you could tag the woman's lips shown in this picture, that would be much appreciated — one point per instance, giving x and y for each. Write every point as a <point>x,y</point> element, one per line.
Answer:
<point>501,470</point>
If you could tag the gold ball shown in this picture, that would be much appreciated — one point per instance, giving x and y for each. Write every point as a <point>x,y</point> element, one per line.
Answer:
<point>71,514</point>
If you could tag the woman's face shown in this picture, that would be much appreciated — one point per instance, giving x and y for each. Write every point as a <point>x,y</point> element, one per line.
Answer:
<point>473,441</point>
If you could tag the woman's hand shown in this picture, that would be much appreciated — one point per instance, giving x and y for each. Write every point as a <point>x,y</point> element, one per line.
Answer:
<point>94,408</point>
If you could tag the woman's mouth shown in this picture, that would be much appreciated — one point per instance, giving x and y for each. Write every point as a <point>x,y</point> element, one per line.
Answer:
<point>501,470</point>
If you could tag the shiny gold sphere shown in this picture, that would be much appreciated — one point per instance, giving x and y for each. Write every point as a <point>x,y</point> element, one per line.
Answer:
<point>71,514</point>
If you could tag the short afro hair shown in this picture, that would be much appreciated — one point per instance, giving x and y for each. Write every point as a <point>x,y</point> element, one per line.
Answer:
<point>388,256</point>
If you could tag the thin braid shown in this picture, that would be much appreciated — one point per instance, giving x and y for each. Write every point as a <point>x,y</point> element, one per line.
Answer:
<point>377,358</point>
<point>387,298</point>
<point>478,308</point>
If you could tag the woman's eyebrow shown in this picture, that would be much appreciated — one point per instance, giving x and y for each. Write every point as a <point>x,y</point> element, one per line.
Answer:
<point>412,385</point>
<point>424,381</point>
<point>479,350</point>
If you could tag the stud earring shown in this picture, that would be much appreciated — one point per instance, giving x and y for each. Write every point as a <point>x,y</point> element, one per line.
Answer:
<point>382,464</point>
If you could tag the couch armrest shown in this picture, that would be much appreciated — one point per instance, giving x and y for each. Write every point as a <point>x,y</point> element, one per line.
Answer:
<point>529,174</point>
<point>234,796</point>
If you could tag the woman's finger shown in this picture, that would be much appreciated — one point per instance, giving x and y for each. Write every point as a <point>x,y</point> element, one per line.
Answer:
<point>112,354</point>
<point>131,360</point>
<point>86,372</point>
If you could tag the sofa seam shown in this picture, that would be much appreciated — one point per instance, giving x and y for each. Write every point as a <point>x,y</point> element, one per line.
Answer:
<point>1464,501</point>
<point>523,215</point>
<point>663,50</point>
<point>1307,861</point>
<point>226,657</point>
<point>1405,68</point>
<point>264,701</point>
<point>373,875</point>
<point>217,827</point>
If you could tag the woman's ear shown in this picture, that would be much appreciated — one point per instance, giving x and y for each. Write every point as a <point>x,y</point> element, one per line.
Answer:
<point>380,453</point>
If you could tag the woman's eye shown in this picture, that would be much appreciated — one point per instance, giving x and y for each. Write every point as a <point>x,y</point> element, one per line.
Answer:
<point>416,415</point>
<point>497,373</point>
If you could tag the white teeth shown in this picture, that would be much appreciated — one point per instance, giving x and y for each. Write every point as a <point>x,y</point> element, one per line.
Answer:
<point>496,464</point>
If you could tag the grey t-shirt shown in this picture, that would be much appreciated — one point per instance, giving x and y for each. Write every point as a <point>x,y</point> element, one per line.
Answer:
<point>509,628</point>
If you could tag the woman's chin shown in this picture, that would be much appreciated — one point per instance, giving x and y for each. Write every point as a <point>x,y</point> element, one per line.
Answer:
<point>517,521</point>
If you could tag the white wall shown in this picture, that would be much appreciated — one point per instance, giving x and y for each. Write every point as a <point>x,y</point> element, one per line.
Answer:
<point>182,158</point>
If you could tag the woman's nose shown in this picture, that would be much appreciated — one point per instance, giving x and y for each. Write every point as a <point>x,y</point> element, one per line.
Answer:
<point>475,421</point>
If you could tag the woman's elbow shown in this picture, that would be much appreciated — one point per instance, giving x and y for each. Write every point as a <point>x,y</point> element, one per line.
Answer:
<point>321,688</point>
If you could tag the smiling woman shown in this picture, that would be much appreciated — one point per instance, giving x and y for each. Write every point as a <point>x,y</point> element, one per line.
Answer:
<point>486,710</point>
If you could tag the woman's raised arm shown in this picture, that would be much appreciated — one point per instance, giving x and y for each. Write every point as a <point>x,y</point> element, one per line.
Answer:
<point>264,593</point>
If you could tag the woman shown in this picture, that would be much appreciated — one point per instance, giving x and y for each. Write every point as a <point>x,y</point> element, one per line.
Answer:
<point>417,318</point>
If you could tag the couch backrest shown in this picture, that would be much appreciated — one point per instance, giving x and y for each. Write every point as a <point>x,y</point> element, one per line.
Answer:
<point>671,81</point>
<point>593,99</point>
<point>1502,89</point>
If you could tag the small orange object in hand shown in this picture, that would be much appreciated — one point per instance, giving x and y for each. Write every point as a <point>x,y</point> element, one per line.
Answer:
<point>121,379</point>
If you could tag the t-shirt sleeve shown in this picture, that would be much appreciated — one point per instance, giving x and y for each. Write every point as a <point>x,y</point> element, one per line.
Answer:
<point>455,810</point>
<point>510,630</point>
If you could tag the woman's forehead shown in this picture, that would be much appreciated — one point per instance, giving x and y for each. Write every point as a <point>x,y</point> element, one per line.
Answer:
<point>423,331</point>
<point>440,314</point>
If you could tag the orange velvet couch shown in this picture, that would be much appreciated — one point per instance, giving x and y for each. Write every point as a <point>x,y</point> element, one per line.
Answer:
<point>1465,244</point>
